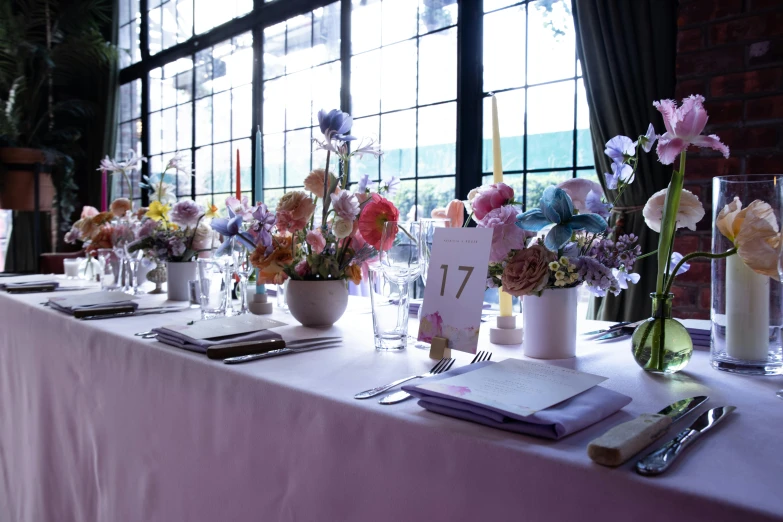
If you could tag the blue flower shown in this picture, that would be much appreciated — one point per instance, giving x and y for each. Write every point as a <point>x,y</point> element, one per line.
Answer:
<point>557,208</point>
<point>335,124</point>
<point>230,228</point>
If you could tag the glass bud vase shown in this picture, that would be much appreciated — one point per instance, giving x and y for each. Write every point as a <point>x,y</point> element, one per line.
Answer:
<point>661,344</point>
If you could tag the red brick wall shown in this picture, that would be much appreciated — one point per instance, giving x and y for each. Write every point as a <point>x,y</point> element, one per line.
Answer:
<point>731,52</point>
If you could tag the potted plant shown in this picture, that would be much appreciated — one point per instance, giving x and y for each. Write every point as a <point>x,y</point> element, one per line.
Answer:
<point>45,47</point>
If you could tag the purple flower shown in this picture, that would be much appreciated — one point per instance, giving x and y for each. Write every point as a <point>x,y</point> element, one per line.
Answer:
<point>335,124</point>
<point>345,205</point>
<point>176,246</point>
<point>389,186</point>
<point>620,172</point>
<point>648,139</point>
<point>260,229</point>
<point>146,229</point>
<point>594,205</point>
<point>676,258</point>
<point>623,278</point>
<point>599,278</point>
<point>620,147</point>
<point>506,235</point>
<point>364,184</point>
<point>186,213</point>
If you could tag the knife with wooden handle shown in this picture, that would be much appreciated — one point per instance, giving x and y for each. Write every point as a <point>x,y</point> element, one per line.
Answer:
<point>629,438</point>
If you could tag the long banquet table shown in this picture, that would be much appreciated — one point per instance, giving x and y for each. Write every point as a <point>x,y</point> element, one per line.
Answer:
<point>99,425</point>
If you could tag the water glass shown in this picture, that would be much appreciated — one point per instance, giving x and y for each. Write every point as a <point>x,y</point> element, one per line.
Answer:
<point>193,294</point>
<point>213,286</point>
<point>110,269</point>
<point>389,301</point>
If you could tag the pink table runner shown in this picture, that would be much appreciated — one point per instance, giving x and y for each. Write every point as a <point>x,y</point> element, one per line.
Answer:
<point>98,425</point>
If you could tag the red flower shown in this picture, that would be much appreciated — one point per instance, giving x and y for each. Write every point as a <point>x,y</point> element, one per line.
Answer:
<point>374,216</point>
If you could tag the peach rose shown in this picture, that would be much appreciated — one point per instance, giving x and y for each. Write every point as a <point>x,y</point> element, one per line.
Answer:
<point>527,273</point>
<point>690,212</point>
<point>270,268</point>
<point>314,182</point>
<point>294,210</point>
<point>120,206</point>
<point>454,212</point>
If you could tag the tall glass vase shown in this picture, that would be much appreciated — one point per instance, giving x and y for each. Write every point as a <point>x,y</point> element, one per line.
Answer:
<point>746,306</point>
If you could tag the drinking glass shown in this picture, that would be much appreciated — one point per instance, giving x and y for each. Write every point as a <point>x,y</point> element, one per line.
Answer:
<point>122,234</point>
<point>110,268</point>
<point>134,259</point>
<point>242,268</point>
<point>428,227</point>
<point>213,286</point>
<point>400,263</point>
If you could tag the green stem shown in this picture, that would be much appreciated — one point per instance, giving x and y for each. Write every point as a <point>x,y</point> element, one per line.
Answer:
<point>648,254</point>
<point>694,255</point>
<point>326,188</point>
<point>669,223</point>
<point>467,221</point>
<point>130,187</point>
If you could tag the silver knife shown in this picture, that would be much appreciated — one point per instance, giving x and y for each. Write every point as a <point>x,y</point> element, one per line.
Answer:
<point>140,311</point>
<point>629,438</point>
<point>659,460</point>
<point>282,351</point>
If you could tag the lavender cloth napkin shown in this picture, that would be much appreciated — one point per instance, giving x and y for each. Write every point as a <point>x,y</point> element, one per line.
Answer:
<point>28,284</point>
<point>180,340</point>
<point>98,308</point>
<point>555,422</point>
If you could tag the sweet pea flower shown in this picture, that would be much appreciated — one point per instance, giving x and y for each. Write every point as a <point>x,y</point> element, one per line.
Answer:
<point>619,148</point>
<point>490,197</point>
<point>623,278</point>
<point>620,172</point>
<point>684,126</point>
<point>676,258</point>
<point>557,208</point>
<point>649,138</point>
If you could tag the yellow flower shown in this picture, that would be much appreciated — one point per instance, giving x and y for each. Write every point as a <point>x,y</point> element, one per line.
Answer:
<point>211,212</point>
<point>158,211</point>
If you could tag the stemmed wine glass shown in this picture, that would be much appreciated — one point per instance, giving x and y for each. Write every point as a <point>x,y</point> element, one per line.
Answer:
<point>242,268</point>
<point>134,258</point>
<point>123,234</point>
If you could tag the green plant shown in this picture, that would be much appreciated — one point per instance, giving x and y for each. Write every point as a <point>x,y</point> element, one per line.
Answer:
<point>47,47</point>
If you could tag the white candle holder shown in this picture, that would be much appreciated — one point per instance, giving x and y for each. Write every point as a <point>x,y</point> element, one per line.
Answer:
<point>506,331</point>
<point>260,304</point>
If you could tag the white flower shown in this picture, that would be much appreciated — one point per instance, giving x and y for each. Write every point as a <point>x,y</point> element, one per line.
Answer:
<point>690,212</point>
<point>341,228</point>
<point>177,163</point>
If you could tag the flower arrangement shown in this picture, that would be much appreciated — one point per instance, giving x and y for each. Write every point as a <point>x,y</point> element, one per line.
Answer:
<point>295,240</point>
<point>175,233</point>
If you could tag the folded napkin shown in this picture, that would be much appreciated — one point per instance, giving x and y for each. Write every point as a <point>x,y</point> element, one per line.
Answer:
<point>180,340</point>
<point>96,309</point>
<point>555,422</point>
<point>28,285</point>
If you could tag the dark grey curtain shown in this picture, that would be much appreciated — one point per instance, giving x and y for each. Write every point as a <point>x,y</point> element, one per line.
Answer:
<point>628,51</point>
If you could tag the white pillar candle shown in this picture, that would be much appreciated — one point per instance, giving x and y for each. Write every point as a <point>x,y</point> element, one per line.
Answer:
<point>747,312</point>
<point>71,267</point>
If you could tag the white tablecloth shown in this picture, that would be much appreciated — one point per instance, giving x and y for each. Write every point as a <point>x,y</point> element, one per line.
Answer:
<point>99,425</point>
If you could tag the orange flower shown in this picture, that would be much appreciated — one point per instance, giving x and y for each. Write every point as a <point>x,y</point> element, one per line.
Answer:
<point>314,182</point>
<point>293,211</point>
<point>354,273</point>
<point>374,216</point>
<point>120,206</point>
<point>270,267</point>
<point>101,239</point>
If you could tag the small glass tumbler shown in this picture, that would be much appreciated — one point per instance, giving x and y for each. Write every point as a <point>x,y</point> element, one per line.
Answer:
<point>390,305</point>
<point>110,269</point>
<point>194,294</point>
<point>213,286</point>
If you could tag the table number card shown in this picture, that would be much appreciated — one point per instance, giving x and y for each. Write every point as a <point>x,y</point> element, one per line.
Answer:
<point>456,280</point>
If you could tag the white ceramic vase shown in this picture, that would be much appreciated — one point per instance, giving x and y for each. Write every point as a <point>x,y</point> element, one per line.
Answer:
<point>317,303</point>
<point>177,276</point>
<point>550,324</point>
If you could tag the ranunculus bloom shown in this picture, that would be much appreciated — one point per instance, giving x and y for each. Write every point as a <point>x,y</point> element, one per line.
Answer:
<point>506,235</point>
<point>342,228</point>
<point>203,237</point>
<point>271,267</point>
<point>293,211</point>
<point>689,213</point>
<point>186,213</point>
<point>316,241</point>
<point>490,197</point>
<point>120,206</point>
<point>454,212</point>
<point>345,205</point>
<point>684,126</point>
<point>527,273</point>
<point>314,182</point>
<point>374,216</point>
<point>754,231</point>
<point>88,211</point>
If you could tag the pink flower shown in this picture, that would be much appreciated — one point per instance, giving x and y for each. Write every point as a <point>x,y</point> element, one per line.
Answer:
<point>241,208</point>
<point>88,211</point>
<point>345,205</point>
<point>375,214</point>
<point>506,235</point>
<point>490,197</point>
<point>454,212</point>
<point>431,326</point>
<point>302,269</point>
<point>689,212</point>
<point>684,126</point>
<point>316,241</point>
<point>293,211</point>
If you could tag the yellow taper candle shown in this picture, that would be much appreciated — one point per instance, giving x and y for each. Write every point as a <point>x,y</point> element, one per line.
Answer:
<point>497,158</point>
<point>497,177</point>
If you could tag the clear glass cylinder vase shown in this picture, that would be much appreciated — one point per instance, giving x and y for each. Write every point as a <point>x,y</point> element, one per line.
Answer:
<point>746,306</point>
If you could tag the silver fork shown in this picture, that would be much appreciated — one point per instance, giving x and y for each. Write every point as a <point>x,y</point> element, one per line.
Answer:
<point>438,368</point>
<point>402,395</point>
